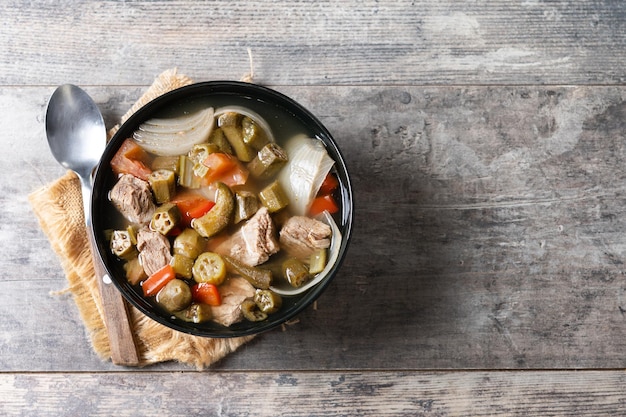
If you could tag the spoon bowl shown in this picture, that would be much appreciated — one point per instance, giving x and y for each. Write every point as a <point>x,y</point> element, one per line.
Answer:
<point>76,134</point>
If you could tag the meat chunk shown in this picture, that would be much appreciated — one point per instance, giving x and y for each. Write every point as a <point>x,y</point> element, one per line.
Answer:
<point>254,242</point>
<point>300,236</point>
<point>233,292</point>
<point>154,250</point>
<point>133,198</point>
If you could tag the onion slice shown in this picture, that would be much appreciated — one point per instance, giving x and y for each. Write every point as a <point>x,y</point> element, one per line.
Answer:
<point>335,244</point>
<point>251,114</point>
<point>302,176</point>
<point>175,136</point>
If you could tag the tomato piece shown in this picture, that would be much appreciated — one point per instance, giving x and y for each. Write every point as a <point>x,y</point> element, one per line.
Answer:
<point>206,293</point>
<point>219,163</point>
<point>199,209</point>
<point>236,176</point>
<point>224,168</point>
<point>192,206</point>
<point>325,202</point>
<point>329,185</point>
<point>158,280</point>
<point>130,158</point>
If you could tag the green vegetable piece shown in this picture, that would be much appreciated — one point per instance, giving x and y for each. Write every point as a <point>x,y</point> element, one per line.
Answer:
<point>209,267</point>
<point>182,265</point>
<point>175,296</point>
<point>198,155</point>
<point>258,277</point>
<point>122,245</point>
<point>296,272</point>
<point>218,138</point>
<point>200,169</point>
<point>246,204</point>
<point>270,159</point>
<point>230,123</point>
<point>273,197</point>
<point>163,184</point>
<point>220,216</point>
<point>251,311</point>
<point>165,162</point>
<point>200,151</point>
<point>195,313</point>
<point>317,261</point>
<point>268,301</point>
<point>186,175</point>
<point>253,134</point>
<point>189,243</point>
<point>132,234</point>
<point>165,218</point>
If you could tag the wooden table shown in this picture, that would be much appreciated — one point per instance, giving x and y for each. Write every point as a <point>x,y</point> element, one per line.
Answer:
<point>486,143</point>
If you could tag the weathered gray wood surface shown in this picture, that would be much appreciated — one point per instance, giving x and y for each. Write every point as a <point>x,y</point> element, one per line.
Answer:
<point>486,146</point>
<point>320,42</point>
<point>291,394</point>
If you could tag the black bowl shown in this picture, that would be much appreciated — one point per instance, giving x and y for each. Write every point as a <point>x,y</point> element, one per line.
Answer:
<point>279,111</point>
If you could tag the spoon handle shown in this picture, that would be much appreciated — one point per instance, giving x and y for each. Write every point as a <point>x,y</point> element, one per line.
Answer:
<point>114,308</point>
<point>116,315</point>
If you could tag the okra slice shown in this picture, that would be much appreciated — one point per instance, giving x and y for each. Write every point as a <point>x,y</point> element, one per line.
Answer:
<point>251,311</point>
<point>163,184</point>
<point>209,267</point>
<point>198,154</point>
<point>218,138</point>
<point>220,216</point>
<point>186,175</point>
<point>268,301</point>
<point>182,265</point>
<point>273,197</point>
<point>175,296</point>
<point>295,272</point>
<point>195,313</point>
<point>258,277</point>
<point>132,234</point>
<point>189,243</point>
<point>246,204</point>
<point>122,245</point>
<point>165,218</point>
<point>230,123</point>
<point>268,161</point>
<point>253,134</point>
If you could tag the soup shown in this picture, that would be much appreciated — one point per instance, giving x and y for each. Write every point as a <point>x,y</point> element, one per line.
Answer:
<point>225,209</point>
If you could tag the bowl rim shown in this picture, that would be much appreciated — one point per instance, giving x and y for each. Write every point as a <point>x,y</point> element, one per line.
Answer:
<point>249,91</point>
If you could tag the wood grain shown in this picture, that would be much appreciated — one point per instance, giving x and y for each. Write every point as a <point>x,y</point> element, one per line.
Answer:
<point>485,142</point>
<point>587,393</point>
<point>489,226</point>
<point>321,42</point>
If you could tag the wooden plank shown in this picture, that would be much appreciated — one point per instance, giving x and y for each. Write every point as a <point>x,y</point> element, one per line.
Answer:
<point>489,234</point>
<point>322,42</point>
<point>588,393</point>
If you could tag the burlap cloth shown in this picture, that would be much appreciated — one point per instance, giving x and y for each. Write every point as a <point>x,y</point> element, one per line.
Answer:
<point>59,210</point>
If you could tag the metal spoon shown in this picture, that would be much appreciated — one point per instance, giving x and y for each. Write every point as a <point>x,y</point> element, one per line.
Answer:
<point>77,138</point>
<point>76,135</point>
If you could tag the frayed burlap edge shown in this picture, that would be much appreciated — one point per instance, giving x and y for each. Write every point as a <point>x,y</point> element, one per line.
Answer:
<point>58,208</point>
